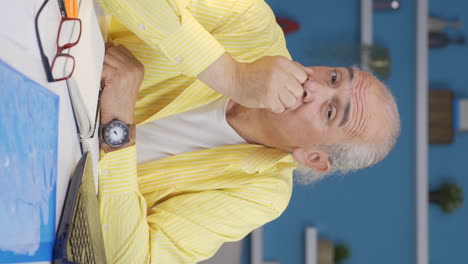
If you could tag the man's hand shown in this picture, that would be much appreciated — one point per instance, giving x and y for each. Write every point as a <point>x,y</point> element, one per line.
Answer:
<point>272,82</point>
<point>122,75</point>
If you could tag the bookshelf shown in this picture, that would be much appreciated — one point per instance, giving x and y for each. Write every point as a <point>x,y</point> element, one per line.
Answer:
<point>421,140</point>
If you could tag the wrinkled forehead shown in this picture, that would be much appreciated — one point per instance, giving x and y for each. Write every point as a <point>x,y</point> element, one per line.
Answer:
<point>364,104</point>
<point>364,80</point>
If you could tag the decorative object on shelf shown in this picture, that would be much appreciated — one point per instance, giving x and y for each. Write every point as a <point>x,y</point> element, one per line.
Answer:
<point>328,253</point>
<point>350,54</point>
<point>439,40</point>
<point>342,253</point>
<point>440,117</point>
<point>437,24</point>
<point>461,115</point>
<point>380,62</point>
<point>386,5</point>
<point>449,197</point>
<point>288,25</point>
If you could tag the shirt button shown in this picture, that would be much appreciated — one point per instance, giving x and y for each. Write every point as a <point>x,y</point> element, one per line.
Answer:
<point>141,27</point>
<point>179,59</point>
<point>105,172</point>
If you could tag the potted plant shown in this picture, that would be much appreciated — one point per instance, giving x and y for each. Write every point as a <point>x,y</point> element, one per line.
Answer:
<point>325,252</point>
<point>328,253</point>
<point>342,253</point>
<point>449,197</point>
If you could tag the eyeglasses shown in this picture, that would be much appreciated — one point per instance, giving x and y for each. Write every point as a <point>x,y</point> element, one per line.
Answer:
<point>69,34</point>
<point>63,64</point>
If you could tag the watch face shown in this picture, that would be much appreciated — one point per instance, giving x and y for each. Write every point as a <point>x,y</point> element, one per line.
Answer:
<point>116,133</point>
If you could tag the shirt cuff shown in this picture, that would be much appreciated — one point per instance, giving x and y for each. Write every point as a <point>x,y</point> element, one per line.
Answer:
<point>191,47</point>
<point>118,171</point>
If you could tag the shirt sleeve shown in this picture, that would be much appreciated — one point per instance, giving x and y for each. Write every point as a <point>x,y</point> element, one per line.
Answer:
<point>122,209</point>
<point>190,227</point>
<point>187,227</point>
<point>169,26</point>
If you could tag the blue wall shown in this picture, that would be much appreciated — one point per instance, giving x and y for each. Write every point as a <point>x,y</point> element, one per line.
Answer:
<point>373,210</point>
<point>448,68</point>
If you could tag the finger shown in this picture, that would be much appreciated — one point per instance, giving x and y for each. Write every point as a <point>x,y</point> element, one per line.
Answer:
<point>116,58</point>
<point>131,58</point>
<point>287,99</point>
<point>294,87</point>
<point>131,62</point>
<point>125,51</point>
<point>298,72</point>
<point>298,64</point>
<point>277,109</point>
<point>106,71</point>
<point>111,61</point>
<point>276,106</point>
<point>307,70</point>
<point>106,77</point>
<point>118,54</point>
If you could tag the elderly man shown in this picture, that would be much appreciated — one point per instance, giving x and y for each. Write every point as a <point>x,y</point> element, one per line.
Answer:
<point>206,163</point>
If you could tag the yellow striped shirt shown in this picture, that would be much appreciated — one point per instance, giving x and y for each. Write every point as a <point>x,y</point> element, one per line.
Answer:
<point>196,200</point>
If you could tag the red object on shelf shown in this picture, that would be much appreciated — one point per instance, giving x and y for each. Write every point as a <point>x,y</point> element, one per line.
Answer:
<point>288,25</point>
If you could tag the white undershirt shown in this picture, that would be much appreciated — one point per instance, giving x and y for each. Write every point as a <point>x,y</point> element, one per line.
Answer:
<point>201,128</point>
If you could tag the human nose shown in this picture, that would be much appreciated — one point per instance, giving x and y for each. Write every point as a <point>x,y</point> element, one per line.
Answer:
<point>315,90</point>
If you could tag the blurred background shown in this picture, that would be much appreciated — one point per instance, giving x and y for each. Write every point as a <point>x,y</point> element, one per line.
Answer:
<point>372,211</point>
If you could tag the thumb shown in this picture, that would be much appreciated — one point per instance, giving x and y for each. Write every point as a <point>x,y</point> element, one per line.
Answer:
<point>308,70</point>
<point>106,78</point>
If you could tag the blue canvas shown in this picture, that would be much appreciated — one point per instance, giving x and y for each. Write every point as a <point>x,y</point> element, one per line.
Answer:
<point>28,167</point>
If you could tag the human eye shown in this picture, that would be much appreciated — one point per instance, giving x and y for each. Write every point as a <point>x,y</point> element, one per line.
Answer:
<point>334,77</point>
<point>331,112</point>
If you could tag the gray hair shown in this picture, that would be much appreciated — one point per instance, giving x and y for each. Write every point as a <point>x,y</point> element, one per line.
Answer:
<point>346,157</point>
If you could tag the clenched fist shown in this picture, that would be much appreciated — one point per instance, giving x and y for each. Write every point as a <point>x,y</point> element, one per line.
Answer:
<point>122,75</point>
<point>272,82</point>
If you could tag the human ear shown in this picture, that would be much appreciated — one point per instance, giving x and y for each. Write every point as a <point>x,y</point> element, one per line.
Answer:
<point>316,160</point>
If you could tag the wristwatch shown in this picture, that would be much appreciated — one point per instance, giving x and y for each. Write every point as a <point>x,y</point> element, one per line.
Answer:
<point>115,133</point>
